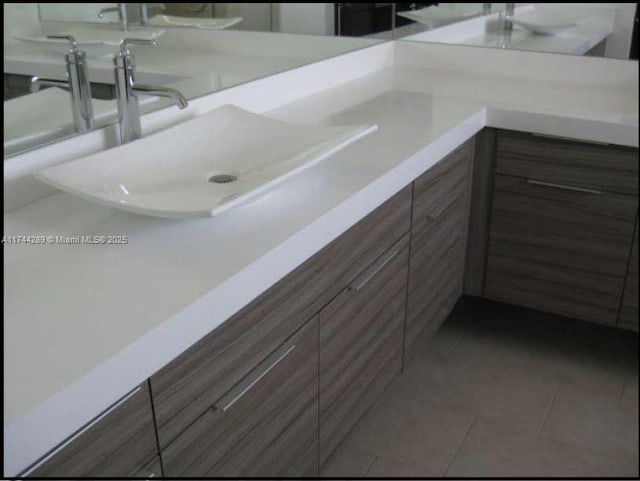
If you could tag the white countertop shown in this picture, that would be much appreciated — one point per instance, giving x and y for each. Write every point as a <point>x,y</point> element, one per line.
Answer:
<point>84,324</point>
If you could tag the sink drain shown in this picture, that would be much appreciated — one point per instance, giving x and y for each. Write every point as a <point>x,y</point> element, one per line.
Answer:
<point>222,179</point>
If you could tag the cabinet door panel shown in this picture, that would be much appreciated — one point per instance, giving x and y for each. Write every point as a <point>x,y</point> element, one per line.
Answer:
<point>438,243</point>
<point>360,345</point>
<point>270,429</point>
<point>559,251</point>
<point>193,382</point>
<point>606,167</point>
<point>435,284</point>
<point>119,444</point>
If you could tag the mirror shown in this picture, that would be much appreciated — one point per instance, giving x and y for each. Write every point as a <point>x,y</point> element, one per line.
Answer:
<point>205,47</point>
<point>594,29</point>
<point>200,48</point>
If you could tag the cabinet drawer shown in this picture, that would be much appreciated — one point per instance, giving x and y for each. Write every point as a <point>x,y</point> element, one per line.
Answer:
<point>193,382</point>
<point>436,189</point>
<point>266,428</point>
<point>118,444</point>
<point>361,333</point>
<point>629,308</point>
<point>559,251</point>
<point>566,162</point>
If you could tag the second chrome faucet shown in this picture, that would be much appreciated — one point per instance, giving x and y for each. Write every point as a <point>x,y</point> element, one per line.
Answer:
<point>128,90</point>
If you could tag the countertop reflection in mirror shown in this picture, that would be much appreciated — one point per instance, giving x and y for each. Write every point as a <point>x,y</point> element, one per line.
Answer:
<point>594,29</point>
<point>204,47</point>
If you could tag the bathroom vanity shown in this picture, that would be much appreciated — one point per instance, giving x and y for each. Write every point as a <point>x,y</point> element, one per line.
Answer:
<point>251,343</point>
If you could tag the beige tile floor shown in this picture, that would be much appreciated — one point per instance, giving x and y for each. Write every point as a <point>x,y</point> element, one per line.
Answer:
<point>501,391</point>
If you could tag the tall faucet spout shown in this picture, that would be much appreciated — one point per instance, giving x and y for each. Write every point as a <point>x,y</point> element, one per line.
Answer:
<point>178,99</point>
<point>37,83</point>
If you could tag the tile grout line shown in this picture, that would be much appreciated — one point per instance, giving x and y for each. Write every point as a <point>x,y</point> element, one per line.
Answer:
<point>548,410</point>
<point>464,438</point>
<point>366,471</point>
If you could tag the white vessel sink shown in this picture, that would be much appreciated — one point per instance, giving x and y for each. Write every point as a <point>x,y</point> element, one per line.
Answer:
<point>543,21</point>
<point>95,43</point>
<point>206,23</point>
<point>201,167</point>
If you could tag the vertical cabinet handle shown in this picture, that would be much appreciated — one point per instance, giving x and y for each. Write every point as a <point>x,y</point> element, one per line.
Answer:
<point>246,383</point>
<point>572,188</point>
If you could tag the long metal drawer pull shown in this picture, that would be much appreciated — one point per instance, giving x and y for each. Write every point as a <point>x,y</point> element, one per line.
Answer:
<point>559,137</point>
<point>82,430</point>
<point>564,187</point>
<point>260,371</point>
<point>371,272</point>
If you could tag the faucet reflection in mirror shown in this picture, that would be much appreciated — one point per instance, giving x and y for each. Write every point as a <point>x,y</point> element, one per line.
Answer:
<point>77,84</point>
<point>508,16</point>
<point>122,14</point>
<point>127,92</point>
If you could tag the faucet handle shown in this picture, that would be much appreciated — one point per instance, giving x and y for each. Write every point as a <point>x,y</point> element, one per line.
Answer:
<point>66,36</point>
<point>124,44</point>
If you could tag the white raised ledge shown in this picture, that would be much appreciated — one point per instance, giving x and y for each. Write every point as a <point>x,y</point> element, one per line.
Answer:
<point>84,324</point>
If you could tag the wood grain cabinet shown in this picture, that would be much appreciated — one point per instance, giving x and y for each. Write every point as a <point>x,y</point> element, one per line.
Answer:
<point>266,425</point>
<point>438,241</point>
<point>562,224</point>
<point>629,309</point>
<point>194,381</point>
<point>119,443</point>
<point>361,335</point>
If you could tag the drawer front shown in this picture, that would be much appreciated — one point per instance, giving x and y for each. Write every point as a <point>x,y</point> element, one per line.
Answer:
<point>436,189</point>
<point>268,428</point>
<point>361,334</point>
<point>118,444</point>
<point>566,162</point>
<point>559,251</point>
<point>629,308</point>
<point>188,386</point>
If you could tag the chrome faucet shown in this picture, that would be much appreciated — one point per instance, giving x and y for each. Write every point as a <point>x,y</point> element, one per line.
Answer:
<point>143,13</point>
<point>122,14</point>
<point>77,84</point>
<point>127,91</point>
